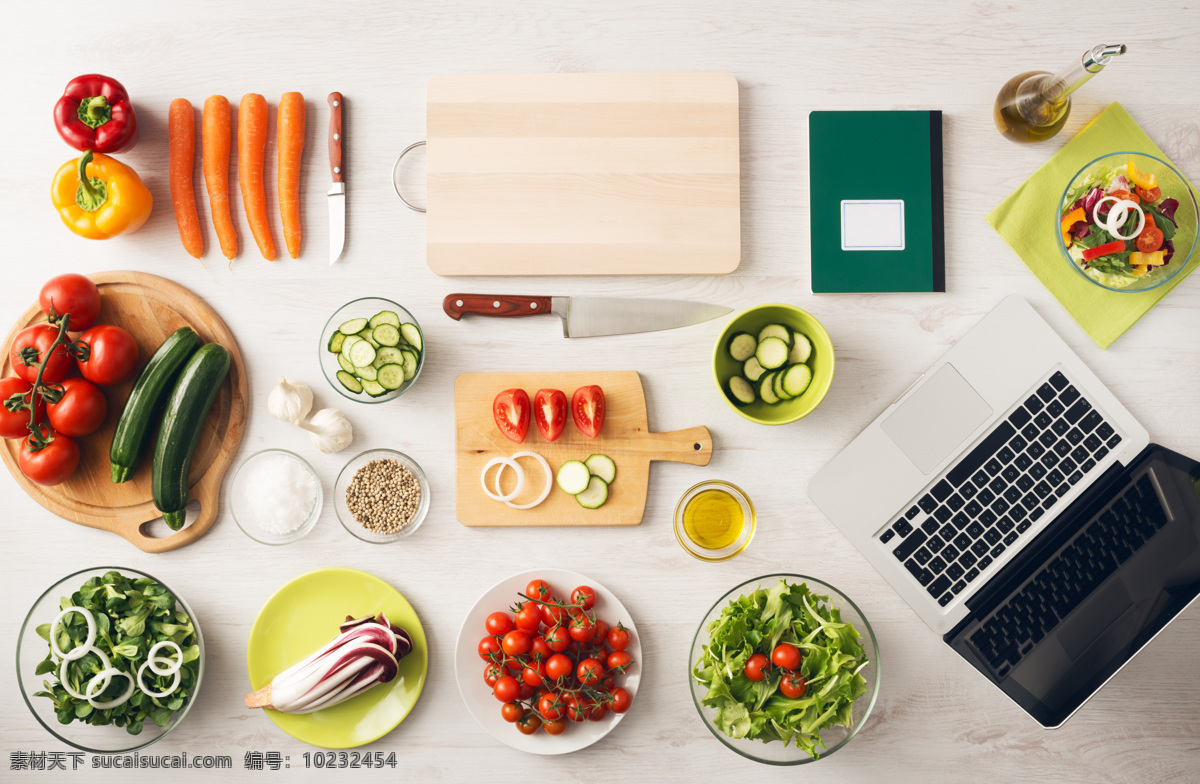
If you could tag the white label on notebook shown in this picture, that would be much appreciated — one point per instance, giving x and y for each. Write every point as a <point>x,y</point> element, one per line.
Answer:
<point>872,224</point>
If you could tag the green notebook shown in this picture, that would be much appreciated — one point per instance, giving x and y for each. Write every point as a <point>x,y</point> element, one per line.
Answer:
<point>875,184</point>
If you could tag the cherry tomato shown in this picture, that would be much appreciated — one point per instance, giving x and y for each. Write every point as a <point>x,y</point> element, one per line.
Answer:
<point>555,727</point>
<point>538,649</point>
<point>1120,194</point>
<point>510,409</point>
<point>619,659</point>
<point>587,409</point>
<point>618,638</point>
<point>609,682</point>
<point>601,632</point>
<point>113,355</point>
<point>582,629</point>
<point>489,648</point>
<point>529,617</point>
<point>52,464</point>
<point>574,712</point>
<point>39,337</point>
<point>1150,240</point>
<point>15,424</point>
<point>506,689</point>
<point>74,294</point>
<point>792,686</point>
<point>80,410</point>
<point>526,691</point>
<point>551,707</point>
<point>499,623</point>
<point>558,638</point>
<point>533,673</point>
<point>1149,195</point>
<point>550,412</point>
<point>538,589</point>
<point>512,663</point>
<point>584,596</point>
<point>786,656</point>
<point>756,666</point>
<point>559,666</point>
<point>620,700</point>
<point>590,672</point>
<point>492,673</point>
<point>512,712</point>
<point>552,614</point>
<point>596,711</point>
<point>516,643</point>
<point>529,723</point>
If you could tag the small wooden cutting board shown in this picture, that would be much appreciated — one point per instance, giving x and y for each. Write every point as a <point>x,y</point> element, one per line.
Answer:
<point>626,438</point>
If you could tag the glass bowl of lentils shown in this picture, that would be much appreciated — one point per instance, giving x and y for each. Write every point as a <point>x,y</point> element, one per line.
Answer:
<point>381,496</point>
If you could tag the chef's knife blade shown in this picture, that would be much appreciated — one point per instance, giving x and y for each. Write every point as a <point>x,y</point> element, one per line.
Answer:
<point>337,193</point>
<point>584,317</point>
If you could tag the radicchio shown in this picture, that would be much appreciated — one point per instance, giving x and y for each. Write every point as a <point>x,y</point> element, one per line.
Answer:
<point>1167,207</point>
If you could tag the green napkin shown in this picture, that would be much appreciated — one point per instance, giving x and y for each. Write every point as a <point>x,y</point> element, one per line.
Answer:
<point>1022,221</point>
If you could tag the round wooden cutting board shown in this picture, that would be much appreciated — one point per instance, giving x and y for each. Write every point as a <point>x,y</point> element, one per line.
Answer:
<point>150,308</point>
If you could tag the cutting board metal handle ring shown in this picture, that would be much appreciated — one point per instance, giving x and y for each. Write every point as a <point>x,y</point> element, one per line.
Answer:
<point>396,170</point>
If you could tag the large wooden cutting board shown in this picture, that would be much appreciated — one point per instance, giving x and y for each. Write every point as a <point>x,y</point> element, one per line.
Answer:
<point>626,438</point>
<point>150,308</point>
<point>583,174</point>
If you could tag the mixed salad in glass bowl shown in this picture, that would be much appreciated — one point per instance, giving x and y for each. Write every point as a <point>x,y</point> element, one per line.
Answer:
<point>1127,222</point>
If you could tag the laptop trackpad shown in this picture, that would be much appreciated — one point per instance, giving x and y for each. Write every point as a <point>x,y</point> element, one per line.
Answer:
<point>936,418</point>
<point>1096,615</point>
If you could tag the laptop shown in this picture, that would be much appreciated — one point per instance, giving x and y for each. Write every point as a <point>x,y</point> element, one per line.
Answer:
<point>1022,512</point>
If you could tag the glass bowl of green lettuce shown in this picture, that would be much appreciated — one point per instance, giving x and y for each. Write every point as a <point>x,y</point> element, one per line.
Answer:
<point>840,664</point>
<point>132,612</point>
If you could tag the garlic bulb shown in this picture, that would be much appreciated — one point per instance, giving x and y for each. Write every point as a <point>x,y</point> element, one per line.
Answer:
<point>290,400</point>
<point>329,430</point>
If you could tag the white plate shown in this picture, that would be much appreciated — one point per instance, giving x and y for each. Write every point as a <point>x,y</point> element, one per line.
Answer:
<point>468,667</point>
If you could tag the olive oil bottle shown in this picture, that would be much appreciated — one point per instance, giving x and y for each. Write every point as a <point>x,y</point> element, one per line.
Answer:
<point>1034,106</point>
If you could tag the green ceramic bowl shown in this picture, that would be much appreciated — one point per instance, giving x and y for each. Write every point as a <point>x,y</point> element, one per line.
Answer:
<point>821,362</point>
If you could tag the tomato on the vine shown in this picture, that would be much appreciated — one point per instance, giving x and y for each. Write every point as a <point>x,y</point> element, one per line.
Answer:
<point>756,667</point>
<point>489,648</point>
<point>619,659</point>
<point>512,712</point>
<point>71,293</point>
<point>786,656</point>
<point>499,623</point>
<point>38,338</point>
<point>529,723</point>
<point>559,666</point>
<point>80,410</point>
<point>539,650</point>
<point>534,673</point>
<point>52,464</point>
<point>529,617</point>
<point>792,686</point>
<point>15,424</point>
<point>552,614</point>
<point>515,643</point>
<point>584,596</point>
<point>582,629</point>
<point>620,700</point>
<point>506,689</point>
<point>618,638</point>
<point>525,691</point>
<point>555,727</point>
<point>112,355</point>
<point>574,712</point>
<point>596,711</point>
<point>551,707</point>
<point>538,589</point>
<point>492,673</point>
<point>558,638</point>
<point>590,672</point>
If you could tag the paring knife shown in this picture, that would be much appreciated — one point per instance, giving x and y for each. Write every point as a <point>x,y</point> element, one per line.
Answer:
<point>584,317</point>
<point>337,193</point>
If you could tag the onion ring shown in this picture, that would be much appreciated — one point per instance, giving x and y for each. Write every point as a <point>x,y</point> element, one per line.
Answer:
<point>156,694</point>
<point>545,490</point>
<point>172,665</point>
<point>108,672</point>
<point>1118,216</point>
<point>66,684</point>
<point>79,651</point>
<point>505,461</point>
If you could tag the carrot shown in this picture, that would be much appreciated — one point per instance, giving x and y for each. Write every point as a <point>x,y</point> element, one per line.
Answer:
<point>291,148</point>
<point>252,149</point>
<point>181,143</point>
<point>215,137</point>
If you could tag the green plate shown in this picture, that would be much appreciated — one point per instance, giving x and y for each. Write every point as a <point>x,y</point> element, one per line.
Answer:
<point>303,616</point>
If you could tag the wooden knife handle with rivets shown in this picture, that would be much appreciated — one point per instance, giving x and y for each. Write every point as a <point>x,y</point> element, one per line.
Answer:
<point>336,169</point>
<point>456,305</point>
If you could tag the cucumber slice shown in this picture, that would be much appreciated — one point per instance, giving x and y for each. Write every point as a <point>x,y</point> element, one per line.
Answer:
<point>347,342</point>
<point>412,335</point>
<point>594,495</point>
<point>353,326</point>
<point>603,467</point>
<point>775,331</point>
<point>771,353</point>
<point>801,349</point>
<point>374,388</point>
<point>335,342</point>
<point>796,380</point>
<point>573,477</point>
<point>765,389</point>
<point>391,376</point>
<point>384,317</point>
<point>777,385</point>
<point>740,391</point>
<point>368,373</point>
<point>346,364</point>
<point>386,335</point>
<point>389,355</point>
<point>374,343</point>
<point>349,382</point>
<point>409,364</point>
<point>752,370</point>
<point>741,346</point>
<point>361,353</point>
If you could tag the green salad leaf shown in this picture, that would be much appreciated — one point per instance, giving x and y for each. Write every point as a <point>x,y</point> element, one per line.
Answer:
<point>833,659</point>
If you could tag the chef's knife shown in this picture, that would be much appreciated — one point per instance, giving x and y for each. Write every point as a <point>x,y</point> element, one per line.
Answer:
<point>337,169</point>
<point>584,317</point>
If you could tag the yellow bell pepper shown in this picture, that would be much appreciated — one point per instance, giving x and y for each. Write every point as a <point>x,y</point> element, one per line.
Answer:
<point>1153,259</point>
<point>99,197</point>
<point>1069,220</point>
<point>1140,178</point>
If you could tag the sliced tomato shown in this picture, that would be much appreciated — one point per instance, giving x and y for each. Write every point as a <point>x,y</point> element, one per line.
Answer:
<point>587,409</point>
<point>550,412</point>
<point>1150,240</point>
<point>511,412</point>
<point>1149,195</point>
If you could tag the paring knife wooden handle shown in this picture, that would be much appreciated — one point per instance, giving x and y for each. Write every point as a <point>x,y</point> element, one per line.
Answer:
<point>336,169</point>
<point>507,305</point>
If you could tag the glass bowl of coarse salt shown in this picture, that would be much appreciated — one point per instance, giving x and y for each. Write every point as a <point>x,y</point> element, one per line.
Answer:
<point>276,497</point>
<point>381,496</point>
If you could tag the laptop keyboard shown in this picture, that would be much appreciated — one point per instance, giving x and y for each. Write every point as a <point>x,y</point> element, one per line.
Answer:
<point>1097,550</point>
<point>984,504</point>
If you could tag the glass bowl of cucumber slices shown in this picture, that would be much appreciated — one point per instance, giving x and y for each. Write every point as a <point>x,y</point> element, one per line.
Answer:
<point>773,364</point>
<point>372,350</point>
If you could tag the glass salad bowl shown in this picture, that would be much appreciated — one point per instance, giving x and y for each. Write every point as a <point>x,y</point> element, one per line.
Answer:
<point>390,361</point>
<point>32,650</point>
<point>1101,184</point>
<point>832,738</point>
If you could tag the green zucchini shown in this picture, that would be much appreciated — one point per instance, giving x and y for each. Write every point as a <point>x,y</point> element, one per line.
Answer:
<point>182,424</point>
<point>141,409</point>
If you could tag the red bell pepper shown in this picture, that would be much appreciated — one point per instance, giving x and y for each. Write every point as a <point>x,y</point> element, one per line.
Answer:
<point>95,114</point>
<point>1116,246</point>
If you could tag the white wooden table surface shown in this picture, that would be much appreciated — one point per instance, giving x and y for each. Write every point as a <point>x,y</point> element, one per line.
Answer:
<point>936,720</point>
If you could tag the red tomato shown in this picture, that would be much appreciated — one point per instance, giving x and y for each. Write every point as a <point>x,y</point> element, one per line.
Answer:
<point>601,632</point>
<point>80,410</point>
<point>37,339</point>
<point>596,711</point>
<point>492,673</point>
<point>582,629</point>
<point>489,648</point>
<point>756,667</point>
<point>551,707</point>
<point>52,464</point>
<point>618,638</point>
<point>786,656</point>
<point>529,723</point>
<point>538,649</point>
<point>550,412</point>
<point>619,660</point>
<point>15,424</point>
<point>512,712</point>
<point>1150,240</point>
<point>793,686</point>
<point>574,712</point>
<point>529,617</point>
<point>587,409</point>
<point>555,727</point>
<point>1149,195</point>
<point>112,357</point>
<point>620,700</point>
<point>538,589</point>
<point>515,643</point>
<point>526,691</point>
<point>552,614</point>
<point>510,409</point>
<point>506,689</point>
<point>590,672</point>
<point>499,623</point>
<point>558,638</point>
<point>534,673</point>
<point>74,294</point>
<point>584,596</point>
<point>559,666</point>
<point>1120,194</point>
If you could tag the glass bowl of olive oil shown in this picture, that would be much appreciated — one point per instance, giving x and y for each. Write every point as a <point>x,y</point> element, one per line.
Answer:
<point>714,521</point>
